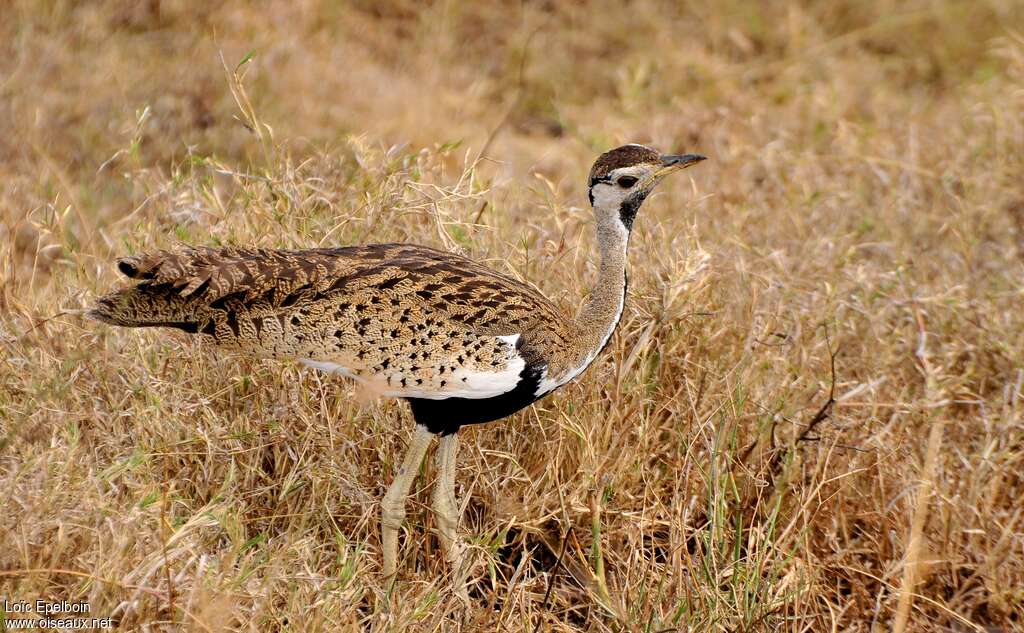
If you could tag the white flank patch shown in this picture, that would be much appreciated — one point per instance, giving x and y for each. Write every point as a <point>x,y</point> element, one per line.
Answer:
<point>477,384</point>
<point>330,368</point>
<point>485,384</point>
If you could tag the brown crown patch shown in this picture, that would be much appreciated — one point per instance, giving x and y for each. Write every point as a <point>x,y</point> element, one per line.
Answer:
<point>625,156</point>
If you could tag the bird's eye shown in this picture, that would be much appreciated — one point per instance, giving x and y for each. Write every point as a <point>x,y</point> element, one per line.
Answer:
<point>627,181</point>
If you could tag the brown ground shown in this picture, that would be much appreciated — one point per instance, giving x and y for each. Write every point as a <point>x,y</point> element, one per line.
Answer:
<point>865,196</point>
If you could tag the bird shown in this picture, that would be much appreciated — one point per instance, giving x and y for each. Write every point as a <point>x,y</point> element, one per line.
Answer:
<point>461,343</point>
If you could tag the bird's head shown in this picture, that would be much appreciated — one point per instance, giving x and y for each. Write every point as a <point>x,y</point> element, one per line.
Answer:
<point>622,178</point>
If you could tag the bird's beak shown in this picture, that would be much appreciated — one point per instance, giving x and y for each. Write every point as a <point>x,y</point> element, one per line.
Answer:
<point>673,162</point>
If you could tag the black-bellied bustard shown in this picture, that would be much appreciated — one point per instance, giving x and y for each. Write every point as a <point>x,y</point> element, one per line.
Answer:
<point>460,342</point>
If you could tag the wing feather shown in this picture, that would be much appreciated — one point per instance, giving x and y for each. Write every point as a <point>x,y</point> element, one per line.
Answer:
<point>412,320</point>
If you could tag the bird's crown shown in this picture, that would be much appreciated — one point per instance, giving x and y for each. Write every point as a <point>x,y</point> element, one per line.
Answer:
<point>624,156</point>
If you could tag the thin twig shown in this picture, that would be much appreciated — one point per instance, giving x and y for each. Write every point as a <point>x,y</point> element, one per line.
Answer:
<point>551,577</point>
<point>826,409</point>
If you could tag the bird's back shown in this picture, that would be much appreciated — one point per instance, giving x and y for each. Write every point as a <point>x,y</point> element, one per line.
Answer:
<point>405,320</point>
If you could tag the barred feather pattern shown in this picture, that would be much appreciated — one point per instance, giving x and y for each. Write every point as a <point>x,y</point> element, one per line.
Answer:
<point>407,319</point>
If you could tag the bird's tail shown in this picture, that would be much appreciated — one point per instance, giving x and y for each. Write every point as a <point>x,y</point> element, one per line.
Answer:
<point>153,302</point>
<point>147,305</point>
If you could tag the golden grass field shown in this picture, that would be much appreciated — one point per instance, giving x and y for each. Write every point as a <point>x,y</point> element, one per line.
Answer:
<point>864,198</point>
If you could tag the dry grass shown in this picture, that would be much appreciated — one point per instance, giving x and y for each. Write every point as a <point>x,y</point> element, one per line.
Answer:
<point>865,195</point>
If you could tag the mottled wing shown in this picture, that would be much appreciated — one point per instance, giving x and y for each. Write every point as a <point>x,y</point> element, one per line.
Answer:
<point>405,320</point>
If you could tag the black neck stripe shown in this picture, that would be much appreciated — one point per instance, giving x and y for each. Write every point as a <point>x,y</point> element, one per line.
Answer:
<point>630,206</point>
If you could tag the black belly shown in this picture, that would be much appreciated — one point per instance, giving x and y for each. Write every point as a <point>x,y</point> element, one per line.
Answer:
<point>446,416</point>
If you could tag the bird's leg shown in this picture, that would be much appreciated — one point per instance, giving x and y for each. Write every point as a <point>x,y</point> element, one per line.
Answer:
<point>446,510</point>
<point>393,505</point>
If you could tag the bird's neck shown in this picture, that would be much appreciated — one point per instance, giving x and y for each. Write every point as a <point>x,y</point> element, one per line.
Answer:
<point>603,309</point>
